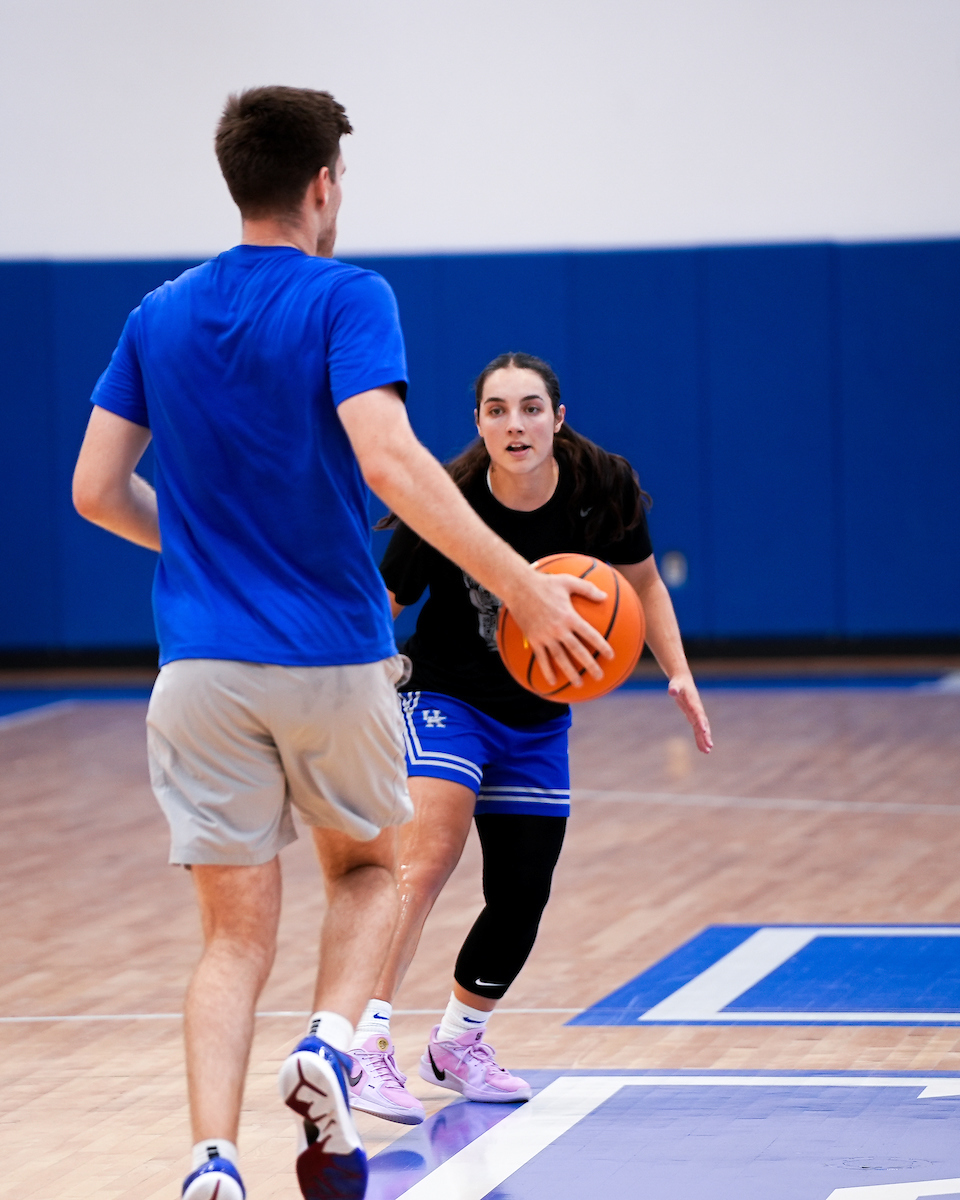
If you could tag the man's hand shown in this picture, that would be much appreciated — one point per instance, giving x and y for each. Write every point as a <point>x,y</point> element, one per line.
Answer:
<point>542,610</point>
<point>684,691</point>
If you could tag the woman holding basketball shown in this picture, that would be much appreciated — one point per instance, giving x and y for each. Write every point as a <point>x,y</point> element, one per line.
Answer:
<point>479,746</point>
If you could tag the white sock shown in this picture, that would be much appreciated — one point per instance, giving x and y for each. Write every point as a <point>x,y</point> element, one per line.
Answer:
<point>213,1148</point>
<point>375,1021</point>
<point>461,1018</point>
<point>332,1028</point>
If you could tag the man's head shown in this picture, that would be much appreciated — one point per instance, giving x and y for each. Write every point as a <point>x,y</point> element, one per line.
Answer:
<point>272,142</point>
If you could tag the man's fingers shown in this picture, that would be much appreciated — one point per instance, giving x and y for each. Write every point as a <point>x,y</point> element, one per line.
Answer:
<point>542,655</point>
<point>555,657</point>
<point>583,587</point>
<point>592,639</point>
<point>584,656</point>
<point>559,655</point>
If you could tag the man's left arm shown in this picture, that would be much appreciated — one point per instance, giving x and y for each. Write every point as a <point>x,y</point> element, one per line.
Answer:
<point>105,489</point>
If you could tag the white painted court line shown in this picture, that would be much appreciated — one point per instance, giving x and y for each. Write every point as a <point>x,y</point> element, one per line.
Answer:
<point>731,976</point>
<point>762,802</point>
<point>897,1191</point>
<point>494,1156</point>
<point>702,998</point>
<point>397,1012</point>
<point>41,712</point>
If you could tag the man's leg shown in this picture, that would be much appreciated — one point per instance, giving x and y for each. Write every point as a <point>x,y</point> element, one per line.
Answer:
<point>361,887</point>
<point>239,911</point>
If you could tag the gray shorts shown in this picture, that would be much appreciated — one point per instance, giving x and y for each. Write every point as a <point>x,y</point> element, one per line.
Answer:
<point>232,745</point>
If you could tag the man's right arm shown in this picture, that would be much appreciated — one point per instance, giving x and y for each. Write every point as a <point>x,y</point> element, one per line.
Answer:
<point>410,481</point>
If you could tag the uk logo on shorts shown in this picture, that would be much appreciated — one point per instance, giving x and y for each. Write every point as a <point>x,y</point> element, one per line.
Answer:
<point>433,718</point>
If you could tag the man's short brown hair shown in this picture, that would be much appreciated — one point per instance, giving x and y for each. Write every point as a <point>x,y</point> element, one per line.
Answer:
<point>271,141</point>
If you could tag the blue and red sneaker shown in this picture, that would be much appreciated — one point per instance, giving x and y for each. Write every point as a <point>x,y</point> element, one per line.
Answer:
<point>331,1163</point>
<point>217,1179</point>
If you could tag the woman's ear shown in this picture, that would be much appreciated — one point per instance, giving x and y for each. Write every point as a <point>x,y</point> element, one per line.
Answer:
<point>558,418</point>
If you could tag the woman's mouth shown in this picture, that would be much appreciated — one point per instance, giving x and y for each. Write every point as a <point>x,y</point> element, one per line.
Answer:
<point>518,447</point>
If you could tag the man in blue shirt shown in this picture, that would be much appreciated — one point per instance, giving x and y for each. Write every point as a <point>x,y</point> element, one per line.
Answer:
<point>271,380</point>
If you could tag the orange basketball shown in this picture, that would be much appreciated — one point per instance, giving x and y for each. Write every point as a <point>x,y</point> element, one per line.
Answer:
<point>619,618</point>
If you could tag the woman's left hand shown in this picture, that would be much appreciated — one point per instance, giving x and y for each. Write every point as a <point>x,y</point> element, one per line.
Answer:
<point>684,691</point>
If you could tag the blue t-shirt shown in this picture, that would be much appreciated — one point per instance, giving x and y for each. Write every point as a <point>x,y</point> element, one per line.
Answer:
<point>237,368</point>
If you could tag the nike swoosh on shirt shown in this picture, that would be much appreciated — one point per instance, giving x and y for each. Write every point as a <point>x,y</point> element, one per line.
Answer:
<point>439,1074</point>
<point>585,511</point>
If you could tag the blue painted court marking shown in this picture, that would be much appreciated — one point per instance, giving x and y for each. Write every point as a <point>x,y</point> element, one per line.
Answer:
<point>18,700</point>
<point>796,974</point>
<point>647,1135</point>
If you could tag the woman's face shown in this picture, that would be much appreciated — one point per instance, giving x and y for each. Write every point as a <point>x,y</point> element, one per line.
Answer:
<point>517,421</point>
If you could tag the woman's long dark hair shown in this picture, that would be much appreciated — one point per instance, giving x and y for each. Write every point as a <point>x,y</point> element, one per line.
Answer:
<point>604,484</point>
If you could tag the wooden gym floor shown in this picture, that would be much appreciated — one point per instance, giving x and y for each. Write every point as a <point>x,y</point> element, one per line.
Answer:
<point>816,806</point>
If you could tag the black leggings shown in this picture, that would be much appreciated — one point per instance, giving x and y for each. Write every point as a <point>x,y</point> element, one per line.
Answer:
<point>519,855</point>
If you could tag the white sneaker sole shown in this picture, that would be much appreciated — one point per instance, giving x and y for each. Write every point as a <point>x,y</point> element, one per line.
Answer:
<point>455,1084</point>
<point>400,1116</point>
<point>213,1186</point>
<point>309,1085</point>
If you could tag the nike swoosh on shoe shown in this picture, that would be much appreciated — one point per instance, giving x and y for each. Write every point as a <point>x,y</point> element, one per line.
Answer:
<point>439,1074</point>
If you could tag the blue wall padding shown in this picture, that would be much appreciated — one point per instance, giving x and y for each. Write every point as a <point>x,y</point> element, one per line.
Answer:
<point>769,413</point>
<point>899,332</point>
<point>793,410</point>
<point>66,583</point>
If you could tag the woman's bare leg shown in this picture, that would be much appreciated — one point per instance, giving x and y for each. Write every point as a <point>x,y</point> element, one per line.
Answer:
<point>430,847</point>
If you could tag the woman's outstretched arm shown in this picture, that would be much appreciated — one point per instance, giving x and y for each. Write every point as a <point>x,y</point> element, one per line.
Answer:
<point>663,638</point>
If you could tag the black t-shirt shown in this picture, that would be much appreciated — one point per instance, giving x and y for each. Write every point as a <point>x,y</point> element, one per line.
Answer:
<point>454,649</point>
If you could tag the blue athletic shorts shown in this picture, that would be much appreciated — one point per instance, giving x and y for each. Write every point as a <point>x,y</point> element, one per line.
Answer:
<point>511,770</point>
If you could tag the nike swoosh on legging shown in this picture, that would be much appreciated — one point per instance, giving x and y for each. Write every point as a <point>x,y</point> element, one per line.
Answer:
<point>486,983</point>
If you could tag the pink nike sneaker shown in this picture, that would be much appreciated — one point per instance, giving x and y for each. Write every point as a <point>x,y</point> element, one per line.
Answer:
<point>377,1086</point>
<point>468,1065</point>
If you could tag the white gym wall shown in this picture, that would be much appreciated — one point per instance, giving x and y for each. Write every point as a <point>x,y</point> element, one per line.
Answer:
<point>512,124</point>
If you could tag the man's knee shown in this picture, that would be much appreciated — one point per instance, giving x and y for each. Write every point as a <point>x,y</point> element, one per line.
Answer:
<point>341,855</point>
